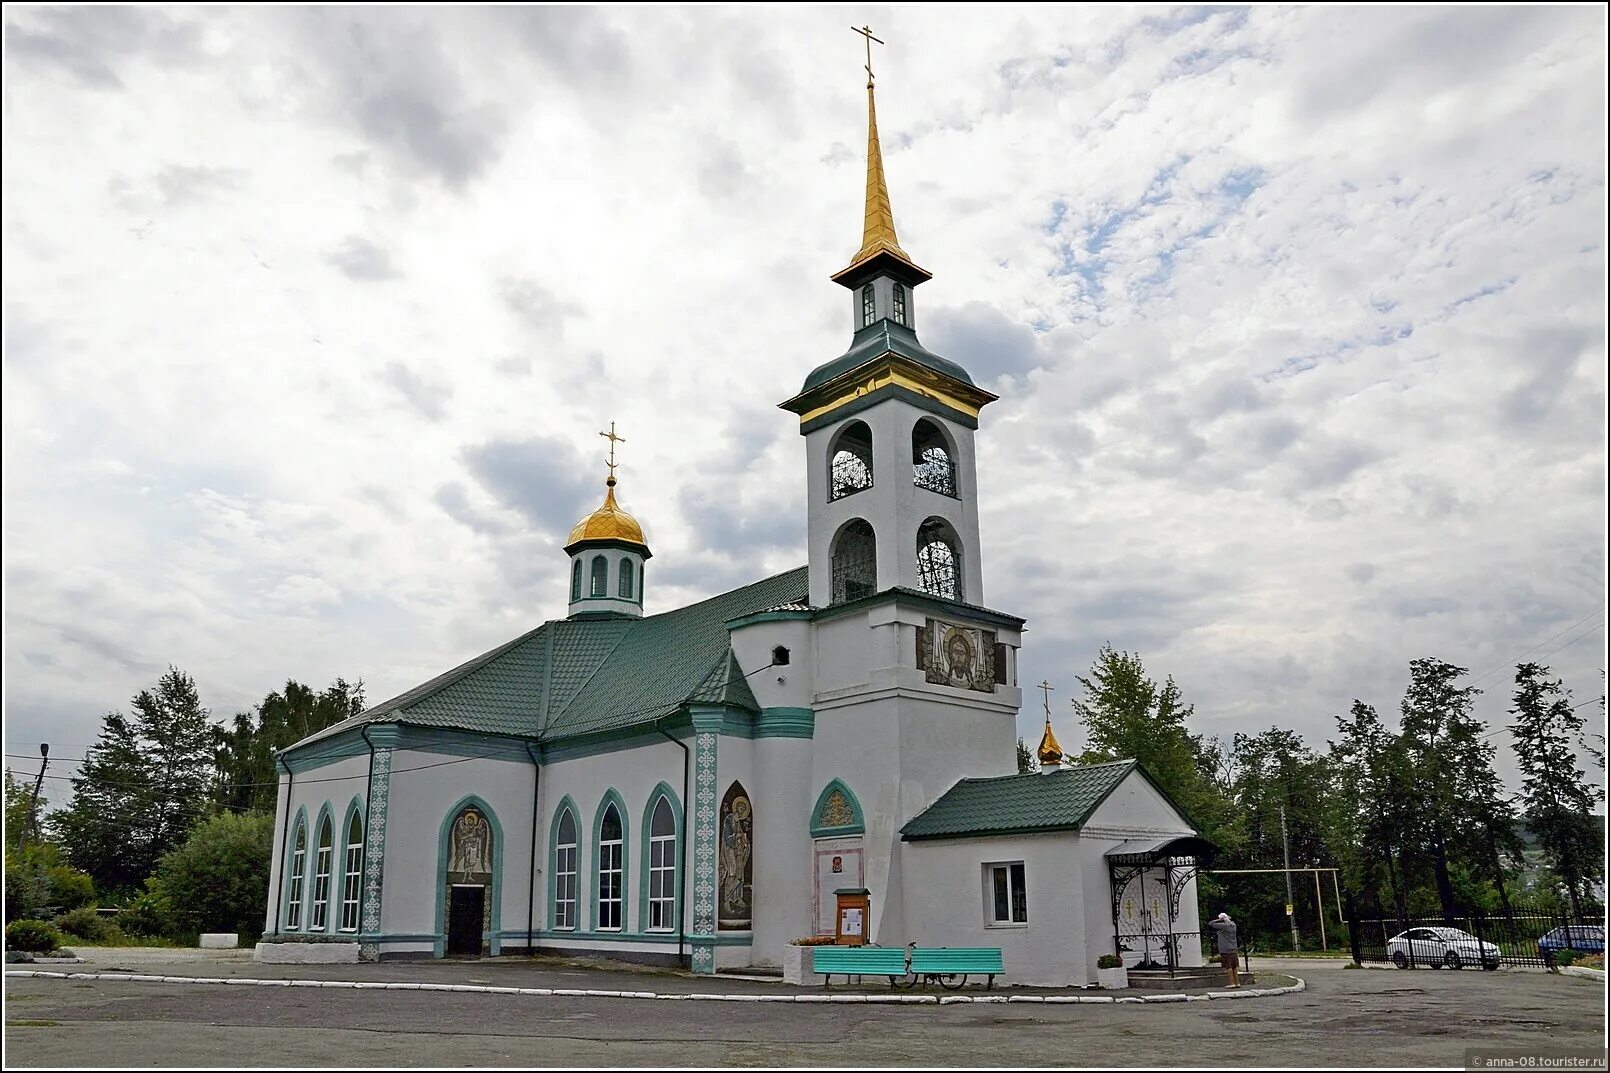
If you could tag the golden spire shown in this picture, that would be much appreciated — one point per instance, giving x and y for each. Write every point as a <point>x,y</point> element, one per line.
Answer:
<point>877,232</point>
<point>1050,752</point>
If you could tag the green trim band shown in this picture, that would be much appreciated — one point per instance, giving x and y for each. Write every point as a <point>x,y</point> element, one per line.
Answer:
<point>785,723</point>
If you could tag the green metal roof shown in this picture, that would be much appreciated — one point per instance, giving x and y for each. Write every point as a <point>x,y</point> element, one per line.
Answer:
<point>878,338</point>
<point>580,676</point>
<point>1020,804</point>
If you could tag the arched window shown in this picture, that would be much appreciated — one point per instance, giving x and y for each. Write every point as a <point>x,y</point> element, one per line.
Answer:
<point>575,581</point>
<point>850,461</point>
<point>868,305</point>
<point>626,589</point>
<point>662,868</point>
<point>900,304</point>
<point>611,871</point>
<point>931,464</point>
<point>352,875</point>
<point>293,914</point>
<point>564,872</point>
<point>855,562</point>
<point>939,560</point>
<point>321,878</point>
<point>600,585</point>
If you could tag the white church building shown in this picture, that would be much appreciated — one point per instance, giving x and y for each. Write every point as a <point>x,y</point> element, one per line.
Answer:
<point>694,788</point>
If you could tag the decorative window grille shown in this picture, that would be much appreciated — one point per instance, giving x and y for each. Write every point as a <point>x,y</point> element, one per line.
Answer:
<point>611,874</point>
<point>855,563</point>
<point>352,879</point>
<point>626,587</point>
<point>321,878</point>
<point>868,305</point>
<point>662,868</point>
<point>900,304</point>
<point>931,464</point>
<point>600,576</point>
<point>850,470</point>
<point>293,915</point>
<point>938,566</point>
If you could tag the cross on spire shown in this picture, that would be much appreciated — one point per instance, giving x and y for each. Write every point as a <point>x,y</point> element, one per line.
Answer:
<point>1045,687</point>
<point>866,32</point>
<point>613,440</point>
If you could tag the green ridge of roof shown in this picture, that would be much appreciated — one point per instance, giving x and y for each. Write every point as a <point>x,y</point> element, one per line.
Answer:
<point>600,674</point>
<point>1019,804</point>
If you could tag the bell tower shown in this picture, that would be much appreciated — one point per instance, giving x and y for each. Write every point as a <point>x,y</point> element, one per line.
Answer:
<point>888,427</point>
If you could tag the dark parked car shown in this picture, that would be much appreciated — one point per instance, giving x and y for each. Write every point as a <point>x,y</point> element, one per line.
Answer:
<point>1582,938</point>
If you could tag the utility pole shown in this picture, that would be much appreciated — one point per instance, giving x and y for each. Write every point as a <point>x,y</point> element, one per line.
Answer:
<point>1285,853</point>
<point>33,805</point>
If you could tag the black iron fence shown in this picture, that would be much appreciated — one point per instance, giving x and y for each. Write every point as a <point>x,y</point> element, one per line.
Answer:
<point>1517,935</point>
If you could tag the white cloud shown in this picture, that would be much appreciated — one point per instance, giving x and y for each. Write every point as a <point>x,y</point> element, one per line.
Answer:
<point>1297,316</point>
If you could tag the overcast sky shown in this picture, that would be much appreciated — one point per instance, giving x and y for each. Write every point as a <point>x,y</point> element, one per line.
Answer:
<point>312,316</point>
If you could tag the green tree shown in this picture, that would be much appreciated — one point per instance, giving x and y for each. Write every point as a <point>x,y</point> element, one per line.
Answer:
<point>1369,804</point>
<point>1128,716</point>
<point>142,787</point>
<point>217,880</point>
<point>1026,764</point>
<point>1558,802</point>
<point>1442,737</point>
<point>19,809</point>
<point>247,778</point>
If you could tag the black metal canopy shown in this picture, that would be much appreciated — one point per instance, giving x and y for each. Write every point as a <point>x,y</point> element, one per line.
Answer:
<point>1179,851</point>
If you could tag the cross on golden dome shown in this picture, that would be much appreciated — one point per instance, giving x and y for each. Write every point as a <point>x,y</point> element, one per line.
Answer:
<point>613,440</point>
<point>1050,751</point>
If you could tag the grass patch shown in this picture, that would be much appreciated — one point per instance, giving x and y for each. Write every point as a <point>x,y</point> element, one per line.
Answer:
<point>33,1024</point>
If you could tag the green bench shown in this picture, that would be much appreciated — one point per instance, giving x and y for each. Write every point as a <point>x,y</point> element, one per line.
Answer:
<point>848,961</point>
<point>948,966</point>
<point>946,962</point>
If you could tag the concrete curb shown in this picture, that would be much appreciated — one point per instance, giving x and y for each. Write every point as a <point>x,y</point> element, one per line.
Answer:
<point>1583,971</point>
<point>563,992</point>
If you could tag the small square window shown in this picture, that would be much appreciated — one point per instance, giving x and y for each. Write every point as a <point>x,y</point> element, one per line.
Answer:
<point>1006,901</point>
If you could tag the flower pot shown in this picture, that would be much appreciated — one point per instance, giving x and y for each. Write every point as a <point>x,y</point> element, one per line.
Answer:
<point>797,965</point>
<point>1112,979</point>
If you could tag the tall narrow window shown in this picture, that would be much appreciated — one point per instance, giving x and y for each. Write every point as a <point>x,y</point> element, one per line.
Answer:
<point>575,581</point>
<point>611,874</point>
<point>626,589</point>
<point>293,915</point>
<point>320,909</point>
<point>900,304</point>
<point>938,560</point>
<point>600,582</point>
<point>352,877</point>
<point>855,562</point>
<point>662,868</point>
<point>850,460</point>
<point>564,872</point>
<point>1008,901</point>
<point>868,305</point>
<point>931,465</point>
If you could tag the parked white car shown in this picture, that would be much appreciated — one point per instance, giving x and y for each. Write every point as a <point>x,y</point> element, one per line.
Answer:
<point>1447,947</point>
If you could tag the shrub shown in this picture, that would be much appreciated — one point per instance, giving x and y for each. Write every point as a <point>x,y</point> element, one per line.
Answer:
<point>34,936</point>
<point>1109,961</point>
<point>1562,958</point>
<point>89,925</point>
<point>148,913</point>
<point>37,878</point>
<point>813,940</point>
<point>218,880</point>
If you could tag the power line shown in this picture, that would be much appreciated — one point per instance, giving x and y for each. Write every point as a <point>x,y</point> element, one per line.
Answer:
<point>1540,644</point>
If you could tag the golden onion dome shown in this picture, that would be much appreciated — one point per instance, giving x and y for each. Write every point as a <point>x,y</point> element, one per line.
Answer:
<point>608,522</point>
<point>1050,751</point>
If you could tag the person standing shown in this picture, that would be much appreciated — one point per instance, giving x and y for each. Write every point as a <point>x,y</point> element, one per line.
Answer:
<point>1224,934</point>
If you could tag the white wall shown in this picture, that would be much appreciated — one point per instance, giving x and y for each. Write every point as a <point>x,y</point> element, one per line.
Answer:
<point>945,903</point>
<point>335,784</point>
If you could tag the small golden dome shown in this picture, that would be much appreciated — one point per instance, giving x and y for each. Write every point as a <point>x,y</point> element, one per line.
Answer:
<point>608,522</point>
<point>1050,751</point>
